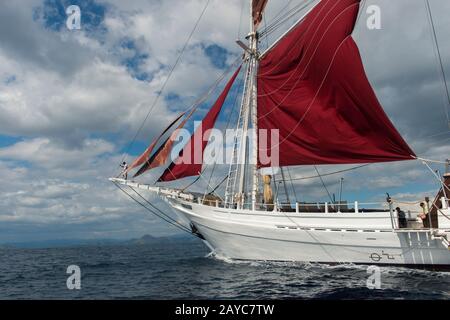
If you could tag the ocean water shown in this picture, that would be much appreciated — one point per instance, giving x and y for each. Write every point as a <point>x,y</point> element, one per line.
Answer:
<point>184,270</point>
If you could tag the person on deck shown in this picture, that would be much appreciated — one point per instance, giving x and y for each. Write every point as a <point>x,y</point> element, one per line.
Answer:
<point>423,215</point>
<point>124,166</point>
<point>402,223</point>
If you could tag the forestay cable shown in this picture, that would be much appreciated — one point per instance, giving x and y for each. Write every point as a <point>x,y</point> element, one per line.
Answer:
<point>164,217</point>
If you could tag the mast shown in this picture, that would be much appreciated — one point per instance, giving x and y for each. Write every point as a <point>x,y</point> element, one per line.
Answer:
<point>244,141</point>
<point>254,113</point>
<point>239,167</point>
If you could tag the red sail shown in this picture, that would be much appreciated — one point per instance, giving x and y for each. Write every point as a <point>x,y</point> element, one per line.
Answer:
<point>146,155</point>
<point>257,11</point>
<point>197,144</point>
<point>313,83</point>
<point>159,158</point>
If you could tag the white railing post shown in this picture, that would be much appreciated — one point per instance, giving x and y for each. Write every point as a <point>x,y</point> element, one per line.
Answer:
<point>253,205</point>
<point>391,211</point>
<point>444,203</point>
<point>217,203</point>
<point>356,207</point>
<point>326,207</point>
<point>296,207</point>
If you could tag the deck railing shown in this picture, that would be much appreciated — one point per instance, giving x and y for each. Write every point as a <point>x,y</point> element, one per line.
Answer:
<point>324,207</point>
<point>412,209</point>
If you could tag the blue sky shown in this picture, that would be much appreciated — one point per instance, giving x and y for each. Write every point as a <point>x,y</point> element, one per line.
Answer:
<point>71,101</point>
<point>53,13</point>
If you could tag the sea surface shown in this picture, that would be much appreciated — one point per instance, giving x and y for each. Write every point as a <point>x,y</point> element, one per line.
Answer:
<point>184,270</point>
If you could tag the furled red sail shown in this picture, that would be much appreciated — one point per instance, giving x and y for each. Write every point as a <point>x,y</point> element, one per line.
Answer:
<point>159,158</point>
<point>198,141</point>
<point>257,11</point>
<point>146,155</point>
<point>313,88</point>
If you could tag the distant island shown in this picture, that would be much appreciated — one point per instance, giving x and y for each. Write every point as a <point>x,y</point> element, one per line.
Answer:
<point>148,239</point>
<point>58,243</point>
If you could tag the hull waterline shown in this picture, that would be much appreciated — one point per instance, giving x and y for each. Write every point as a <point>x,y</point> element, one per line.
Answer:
<point>280,237</point>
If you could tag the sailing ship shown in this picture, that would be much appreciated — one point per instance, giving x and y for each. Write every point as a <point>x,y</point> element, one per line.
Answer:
<point>310,87</point>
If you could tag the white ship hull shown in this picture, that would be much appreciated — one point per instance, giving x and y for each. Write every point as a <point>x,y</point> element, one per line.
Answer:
<point>360,238</point>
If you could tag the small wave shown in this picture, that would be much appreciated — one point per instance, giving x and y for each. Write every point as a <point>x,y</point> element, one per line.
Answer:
<point>222,258</point>
<point>259,263</point>
<point>287,264</point>
<point>103,265</point>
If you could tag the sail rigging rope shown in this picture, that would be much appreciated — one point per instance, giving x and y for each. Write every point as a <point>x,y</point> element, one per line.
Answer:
<point>432,161</point>
<point>265,26</point>
<point>280,12</point>
<point>437,134</point>
<point>331,173</point>
<point>324,185</point>
<point>292,184</point>
<point>198,177</point>
<point>160,92</point>
<point>310,233</point>
<point>155,207</point>
<point>437,51</point>
<point>310,104</point>
<point>191,184</point>
<point>218,186</point>
<point>309,47</point>
<point>361,10</point>
<point>235,103</point>
<point>443,186</point>
<point>164,217</point>
<point>277,22</point>
<point>282,20</point>
<point>289,51</point>
<point>207,188</point>
<point>240,20</point>
<point>440,211</point>
<point>210,90</point>
<point>435,175</point>
<point>214,86</point>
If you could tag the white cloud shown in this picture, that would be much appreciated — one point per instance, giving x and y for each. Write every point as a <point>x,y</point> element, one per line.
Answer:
<point>42,152</point>
<point>74,104</point>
